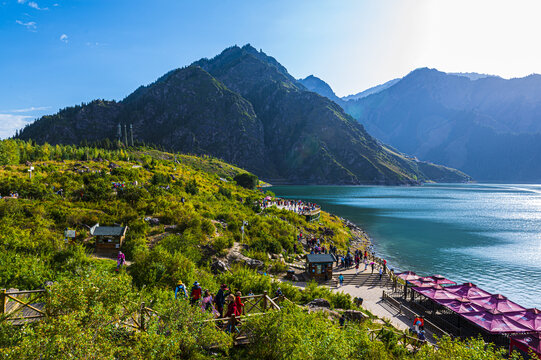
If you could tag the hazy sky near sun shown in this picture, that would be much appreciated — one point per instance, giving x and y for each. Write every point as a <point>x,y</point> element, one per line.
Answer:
<point>56,53</point>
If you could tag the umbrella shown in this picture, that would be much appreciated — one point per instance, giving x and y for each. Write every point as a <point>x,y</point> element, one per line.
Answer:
<point>423,284</point>
<point>460,305</point>
<point>438,279</point>
<point>498,302</point>
<point>408,276</point>
<point>435,292</point>
<point>495,322</point>
<point>528,342</point>
<point>529,317</point>
<point>468,290</point>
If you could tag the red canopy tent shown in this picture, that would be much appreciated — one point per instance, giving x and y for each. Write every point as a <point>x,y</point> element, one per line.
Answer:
<point>495,322</point>
<point>408,276</point>
<point>435,293</point>
<point>497,302</point>
<point>468,291</point>
<point>423,284</point>
<point>529,317</point>
<point>526,342</point>
<point>460,305</point>
<point>438,279</point>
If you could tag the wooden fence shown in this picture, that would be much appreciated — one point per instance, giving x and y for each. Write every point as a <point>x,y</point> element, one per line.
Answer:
<point>20,306</point>
<point>254,305</point>
<point>411,343</point>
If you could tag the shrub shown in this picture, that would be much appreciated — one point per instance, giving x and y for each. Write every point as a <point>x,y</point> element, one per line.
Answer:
<point>191,187</point>
<point>246,180</point>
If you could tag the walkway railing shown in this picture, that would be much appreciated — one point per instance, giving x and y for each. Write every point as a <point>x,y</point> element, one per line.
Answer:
<point>19,306</point>
<point>409,342</point>
<point>411,314</point>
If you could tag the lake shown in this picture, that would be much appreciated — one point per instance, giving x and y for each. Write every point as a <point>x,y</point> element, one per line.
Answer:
<point>487,234</point>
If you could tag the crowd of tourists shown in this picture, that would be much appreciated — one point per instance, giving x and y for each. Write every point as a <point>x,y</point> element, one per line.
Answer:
<point>297,206</point>
<point>225,303</point>
<point>12,194</point>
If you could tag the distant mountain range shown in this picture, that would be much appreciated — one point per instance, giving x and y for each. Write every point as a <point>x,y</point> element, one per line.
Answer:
<point>486,126</point>
<point>243,106</point>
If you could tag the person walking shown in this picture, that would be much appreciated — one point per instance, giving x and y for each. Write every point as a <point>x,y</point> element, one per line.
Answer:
<point>356,268</point>
<point>231,311</point>
<point>195,293</point>
<point>219,299</point>
<point>372,264</point>
<point>380,273</point>
<point>206,301</point>
<point>120,260</point>
<point>180,290</point>
<point>239,306</point>
<point>341,280</point>
<point>365,264</point>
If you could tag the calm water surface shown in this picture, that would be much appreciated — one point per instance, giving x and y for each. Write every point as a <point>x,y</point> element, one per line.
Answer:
<point>486,234</point>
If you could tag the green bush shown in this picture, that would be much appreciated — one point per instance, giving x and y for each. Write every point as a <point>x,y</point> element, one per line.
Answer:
<point>191,187</point>
<point>247,180</point>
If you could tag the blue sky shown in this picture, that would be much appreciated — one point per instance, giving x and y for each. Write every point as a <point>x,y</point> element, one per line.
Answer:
<point>60,53</point>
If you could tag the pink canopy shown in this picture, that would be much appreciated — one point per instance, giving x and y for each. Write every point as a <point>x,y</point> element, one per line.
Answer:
<point>529,317</point>
<point>526,342</point>
<point>467,290</point>
<point>460,305</point>
<point>495,322</point>
<point>438,279</point>
<point>497,302</point>
<point>435,293</point>
<point>421,284</point>
<point>408,276</point>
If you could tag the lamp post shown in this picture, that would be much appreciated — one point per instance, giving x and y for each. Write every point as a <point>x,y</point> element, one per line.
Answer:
<point>30,172</point>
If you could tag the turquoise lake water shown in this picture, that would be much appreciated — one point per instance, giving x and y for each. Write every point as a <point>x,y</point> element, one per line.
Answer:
<point>483,233</point>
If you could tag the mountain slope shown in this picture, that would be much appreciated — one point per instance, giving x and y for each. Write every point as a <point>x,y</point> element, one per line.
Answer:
<point>244,107</point>
<point>488,127</point>
<point>320,87</point>
<point>373,90</point>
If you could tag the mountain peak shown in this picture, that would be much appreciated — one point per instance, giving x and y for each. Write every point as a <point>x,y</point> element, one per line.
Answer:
<point>315,84</point>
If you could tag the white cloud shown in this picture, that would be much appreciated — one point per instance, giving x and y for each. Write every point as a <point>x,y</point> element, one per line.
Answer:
<point>30,109</point>
<point>31,25</point>
<point>32,4</point>
<point>9,123</point>
<point>64,38</point>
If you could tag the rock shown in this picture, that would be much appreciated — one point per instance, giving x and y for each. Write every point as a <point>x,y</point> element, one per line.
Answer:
<point>218,266</point>
<point>330,313</point>
<point>112,165</point>
<point>253,263</point>
<point>319,303</point>
<point>355,315</point>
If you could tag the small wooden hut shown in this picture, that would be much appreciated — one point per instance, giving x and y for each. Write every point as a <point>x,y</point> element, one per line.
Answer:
<point>108,238</point>
<point>319,266</point>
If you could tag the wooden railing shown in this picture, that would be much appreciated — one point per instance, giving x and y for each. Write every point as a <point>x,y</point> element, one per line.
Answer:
<point>408,312</point>
<point>409,342</point>
<point>22,306</point>
<point>236,324</point>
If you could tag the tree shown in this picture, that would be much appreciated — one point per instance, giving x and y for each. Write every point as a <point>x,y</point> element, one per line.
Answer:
<point>247,180</point>
<point>9,153</point>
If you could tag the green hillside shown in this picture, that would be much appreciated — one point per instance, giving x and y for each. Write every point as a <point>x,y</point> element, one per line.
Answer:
<point>71,187</point>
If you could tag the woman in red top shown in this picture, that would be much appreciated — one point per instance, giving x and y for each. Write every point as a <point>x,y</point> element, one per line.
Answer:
<point>231,312</point>
<point>231,306</point>
<point>239,306</point>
